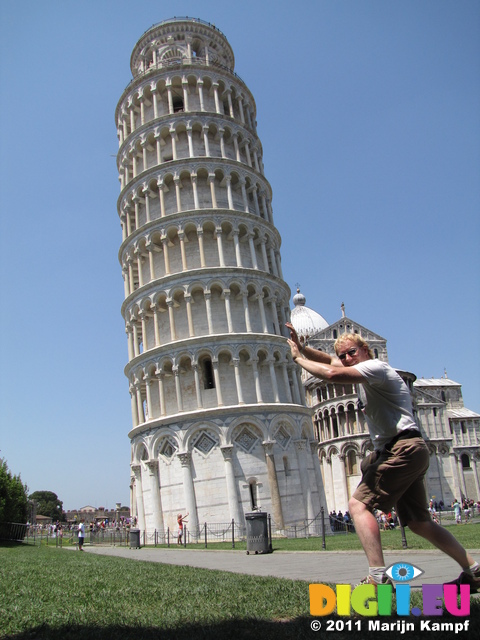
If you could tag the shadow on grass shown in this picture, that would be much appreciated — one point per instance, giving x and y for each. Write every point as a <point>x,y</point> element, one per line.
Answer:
<point>234,629</point>
<point>242,630</point>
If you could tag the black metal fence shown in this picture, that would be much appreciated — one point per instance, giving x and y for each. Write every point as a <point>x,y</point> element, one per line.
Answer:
<point>13,532</point>
<point>209,533</point>
<point>205,534</point>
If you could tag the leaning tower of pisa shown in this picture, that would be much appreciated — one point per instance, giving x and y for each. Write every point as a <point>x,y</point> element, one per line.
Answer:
<point>220,426</point>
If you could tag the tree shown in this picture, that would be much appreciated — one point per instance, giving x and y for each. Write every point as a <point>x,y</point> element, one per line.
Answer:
<point>13,496</point>
<point>48,504</point>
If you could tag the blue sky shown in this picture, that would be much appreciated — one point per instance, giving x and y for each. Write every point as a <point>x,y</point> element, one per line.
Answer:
<point>369,116</point>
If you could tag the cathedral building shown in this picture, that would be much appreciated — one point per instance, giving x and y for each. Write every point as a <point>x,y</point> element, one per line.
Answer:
<point>452,432</point>
<point>219,421</point>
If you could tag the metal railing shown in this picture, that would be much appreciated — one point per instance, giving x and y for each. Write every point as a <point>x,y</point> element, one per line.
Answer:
<point>32,534</point>
<point>207,533</point>
<point>182,19</point>
<point>339,525</point>
<point>13,531</point>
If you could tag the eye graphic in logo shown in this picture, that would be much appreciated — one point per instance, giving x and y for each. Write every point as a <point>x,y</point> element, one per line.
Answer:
<point>403,572</point>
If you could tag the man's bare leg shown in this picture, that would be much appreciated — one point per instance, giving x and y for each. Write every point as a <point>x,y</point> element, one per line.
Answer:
<point>368,531</point>
<point>444,541</point>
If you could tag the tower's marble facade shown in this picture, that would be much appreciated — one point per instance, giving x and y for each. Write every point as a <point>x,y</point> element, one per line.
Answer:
<point>220,424</point>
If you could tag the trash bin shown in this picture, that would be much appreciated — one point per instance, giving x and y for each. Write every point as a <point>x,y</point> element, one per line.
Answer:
<point>134,538</point>
<point>257,533</point>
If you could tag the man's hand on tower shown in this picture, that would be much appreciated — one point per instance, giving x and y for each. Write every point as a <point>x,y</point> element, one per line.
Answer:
<point>293,334</point>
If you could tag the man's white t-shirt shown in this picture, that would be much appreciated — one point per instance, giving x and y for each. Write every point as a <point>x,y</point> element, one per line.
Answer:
<point>387,401</point>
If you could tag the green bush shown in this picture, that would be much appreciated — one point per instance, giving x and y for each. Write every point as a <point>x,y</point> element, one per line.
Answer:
<point>13,496</point>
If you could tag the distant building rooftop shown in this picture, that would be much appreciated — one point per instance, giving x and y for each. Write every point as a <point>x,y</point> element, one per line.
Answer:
<point>435,382</point>
<point>461,413</point>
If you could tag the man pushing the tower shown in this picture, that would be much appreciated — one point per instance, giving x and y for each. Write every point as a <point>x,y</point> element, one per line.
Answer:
<point>393,475</point>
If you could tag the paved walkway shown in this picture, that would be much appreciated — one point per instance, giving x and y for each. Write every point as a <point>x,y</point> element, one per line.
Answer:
<point>312,566</point>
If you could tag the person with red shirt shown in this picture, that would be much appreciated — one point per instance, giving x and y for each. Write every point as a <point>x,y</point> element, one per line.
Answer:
<point>180,521</point>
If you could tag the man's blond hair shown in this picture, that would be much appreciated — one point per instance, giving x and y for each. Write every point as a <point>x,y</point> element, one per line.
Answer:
<point>352,337</point>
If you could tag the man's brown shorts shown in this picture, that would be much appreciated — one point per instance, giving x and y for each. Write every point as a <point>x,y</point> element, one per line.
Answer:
<point>395,478</point>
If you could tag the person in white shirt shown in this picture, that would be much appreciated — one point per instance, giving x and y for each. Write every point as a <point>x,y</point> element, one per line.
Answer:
<point>393,475</point>
<point>81,535</point>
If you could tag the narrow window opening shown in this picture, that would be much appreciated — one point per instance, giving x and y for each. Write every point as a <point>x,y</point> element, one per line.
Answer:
<point>208,377</point>
<point>465,461</point>
<point>177,104</point>
<point>253,495</point>
<point>335,428</point>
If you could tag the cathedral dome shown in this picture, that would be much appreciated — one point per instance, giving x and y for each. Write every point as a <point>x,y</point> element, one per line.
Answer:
<point>306,321</point>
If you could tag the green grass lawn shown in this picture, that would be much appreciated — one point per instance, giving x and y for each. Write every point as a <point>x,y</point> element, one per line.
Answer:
<point>468,536</point>
<point>54,593</point>
<point>51,593</point>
